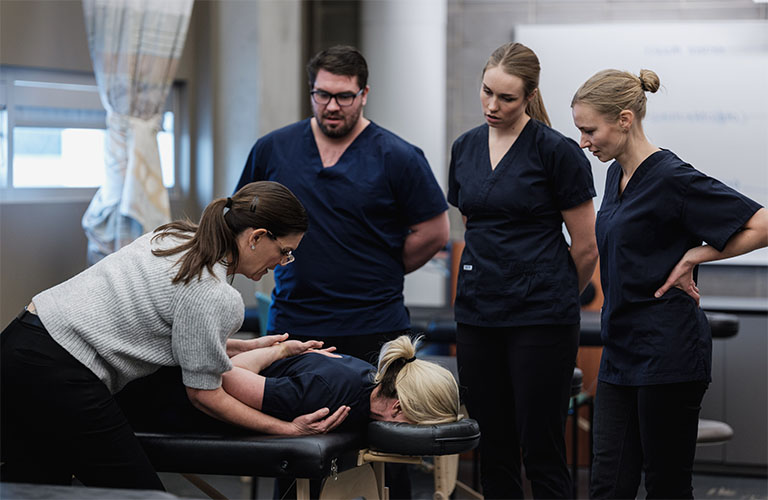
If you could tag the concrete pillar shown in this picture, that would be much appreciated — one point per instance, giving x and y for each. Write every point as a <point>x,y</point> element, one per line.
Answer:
<point>404,42</point>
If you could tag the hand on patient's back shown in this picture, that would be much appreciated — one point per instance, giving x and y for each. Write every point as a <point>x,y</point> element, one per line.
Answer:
<point>294,347</point>
<point>328,351</point>
<point>259,342</point>
<point>268,340</point>
<point>320,422</point>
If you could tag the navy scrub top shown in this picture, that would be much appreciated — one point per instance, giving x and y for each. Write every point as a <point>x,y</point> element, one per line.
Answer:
<point>666,208</point>
<point>347,278</point>
<point>305,383</point>
<point>516,269</point>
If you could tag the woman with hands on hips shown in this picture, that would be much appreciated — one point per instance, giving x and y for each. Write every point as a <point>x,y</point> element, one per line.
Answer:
<point>656,363</point>
<point>163,300</point>
<point>516,181</point>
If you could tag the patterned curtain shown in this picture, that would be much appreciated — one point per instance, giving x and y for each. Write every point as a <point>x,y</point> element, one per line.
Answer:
<point>135,47</point>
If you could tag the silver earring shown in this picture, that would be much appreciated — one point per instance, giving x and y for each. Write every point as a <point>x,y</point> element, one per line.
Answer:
<point>253,247</point>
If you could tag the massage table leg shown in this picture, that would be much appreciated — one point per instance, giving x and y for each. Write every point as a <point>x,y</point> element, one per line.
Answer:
<point>302,489</point>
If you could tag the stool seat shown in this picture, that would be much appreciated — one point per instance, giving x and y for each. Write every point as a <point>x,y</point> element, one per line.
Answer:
<point>713,432</point>
<point>722,325</point>
<point>576,381</point>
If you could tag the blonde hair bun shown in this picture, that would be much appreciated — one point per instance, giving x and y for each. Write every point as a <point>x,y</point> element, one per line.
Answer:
<point>611,91</point>
<point>649,80</point>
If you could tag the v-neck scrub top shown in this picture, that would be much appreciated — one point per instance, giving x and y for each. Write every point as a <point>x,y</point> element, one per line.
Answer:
<point>516,268</point>
<point>348,275</point>
<point>667,207</point>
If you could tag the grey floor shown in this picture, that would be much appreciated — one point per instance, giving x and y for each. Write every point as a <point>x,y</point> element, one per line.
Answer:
<point>705,486</point>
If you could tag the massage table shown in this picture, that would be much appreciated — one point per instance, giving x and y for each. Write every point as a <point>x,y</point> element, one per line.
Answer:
<point>348,465</point>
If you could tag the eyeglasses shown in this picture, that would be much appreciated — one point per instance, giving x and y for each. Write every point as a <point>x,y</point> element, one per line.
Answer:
<point>342,98</point>
<point>287,254</point>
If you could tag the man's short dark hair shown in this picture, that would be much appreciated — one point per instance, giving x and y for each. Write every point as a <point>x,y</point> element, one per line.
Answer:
<point>343,60</point>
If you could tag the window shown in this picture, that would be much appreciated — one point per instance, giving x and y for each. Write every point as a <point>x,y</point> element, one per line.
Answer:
<point>53,136</point>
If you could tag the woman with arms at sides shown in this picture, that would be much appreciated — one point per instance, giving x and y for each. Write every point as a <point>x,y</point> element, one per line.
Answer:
<point>516,181</point>
<point>163,300</point>
<point>656,364</point>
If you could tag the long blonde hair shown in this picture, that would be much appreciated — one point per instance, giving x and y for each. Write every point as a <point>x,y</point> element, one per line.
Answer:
<point>609,92</point>
<point>518,60</point>
<point>428,393</point>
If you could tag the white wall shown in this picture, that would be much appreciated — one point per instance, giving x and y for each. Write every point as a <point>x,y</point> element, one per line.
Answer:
<point>404,44</point>
<point>256,64</point>
<point>711,109</point>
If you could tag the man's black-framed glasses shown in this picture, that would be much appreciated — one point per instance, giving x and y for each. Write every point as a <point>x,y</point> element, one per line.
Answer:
<point>342,98</point>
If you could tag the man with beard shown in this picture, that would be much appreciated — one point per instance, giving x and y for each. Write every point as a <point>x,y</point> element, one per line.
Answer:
<point>377,214</point>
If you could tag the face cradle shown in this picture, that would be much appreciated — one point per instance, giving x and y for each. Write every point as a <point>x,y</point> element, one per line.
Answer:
<point>603,138</point>
<point>337,121</point>
<point>503,98</point>
<point>267,253</point>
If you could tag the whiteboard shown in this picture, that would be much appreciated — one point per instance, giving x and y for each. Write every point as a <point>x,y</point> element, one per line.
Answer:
<point>711,109</point>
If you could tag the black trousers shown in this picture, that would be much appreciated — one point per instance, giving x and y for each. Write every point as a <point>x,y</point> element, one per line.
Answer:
<point>651,428</point>
<point>57,419</point>
<point>517,382</point>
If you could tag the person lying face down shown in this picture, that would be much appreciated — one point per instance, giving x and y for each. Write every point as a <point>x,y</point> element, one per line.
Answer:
<point>290,377</point>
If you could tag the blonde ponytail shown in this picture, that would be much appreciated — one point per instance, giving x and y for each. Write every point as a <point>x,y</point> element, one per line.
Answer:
<point>428,393</point>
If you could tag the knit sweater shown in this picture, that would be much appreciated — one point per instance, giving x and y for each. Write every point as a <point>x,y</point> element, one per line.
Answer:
<point>124,319</point>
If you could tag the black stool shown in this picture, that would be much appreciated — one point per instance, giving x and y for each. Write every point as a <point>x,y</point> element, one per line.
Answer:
<point>711,432</point>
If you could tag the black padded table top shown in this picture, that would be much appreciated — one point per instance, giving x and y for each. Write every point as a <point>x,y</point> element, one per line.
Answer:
<point>311,457</point>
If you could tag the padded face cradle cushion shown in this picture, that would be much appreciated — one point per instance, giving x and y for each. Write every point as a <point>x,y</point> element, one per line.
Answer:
<point>423,440</point>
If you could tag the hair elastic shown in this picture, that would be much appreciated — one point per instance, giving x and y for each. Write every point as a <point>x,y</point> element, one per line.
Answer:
<point>228,205</point>
<point>410,359</point>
